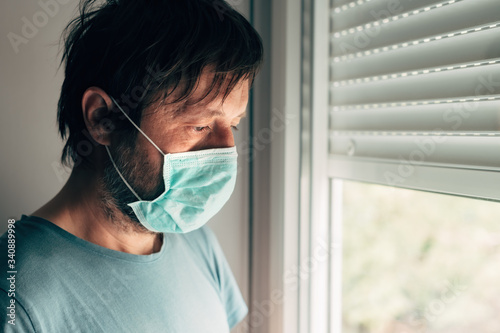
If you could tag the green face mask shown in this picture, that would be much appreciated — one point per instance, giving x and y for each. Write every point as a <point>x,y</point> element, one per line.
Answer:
<point>197,185</point>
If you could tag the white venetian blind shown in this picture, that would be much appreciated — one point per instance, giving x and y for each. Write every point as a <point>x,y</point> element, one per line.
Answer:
<point>415,94</point>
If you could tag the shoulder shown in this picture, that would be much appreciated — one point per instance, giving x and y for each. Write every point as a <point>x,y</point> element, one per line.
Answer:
<point>28,239</point>
<point>29,249</point>
<point>204,245</point>
<point>23,244</point>
<point>203,234</point>
<point>202,239</point>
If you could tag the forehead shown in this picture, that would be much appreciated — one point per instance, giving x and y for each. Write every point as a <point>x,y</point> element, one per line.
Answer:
<point>204,96</point>
<point>208,90</point>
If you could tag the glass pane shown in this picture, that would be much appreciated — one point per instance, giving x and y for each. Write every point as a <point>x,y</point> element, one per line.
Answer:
<point>418,262</point>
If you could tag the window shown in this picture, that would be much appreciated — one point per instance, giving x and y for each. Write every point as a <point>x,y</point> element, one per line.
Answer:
<point>394,109</point>
<point>417,262</point>
<point>406,95</point>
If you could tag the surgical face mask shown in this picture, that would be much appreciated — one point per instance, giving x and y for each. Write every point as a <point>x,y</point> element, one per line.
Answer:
<point>197,185</point>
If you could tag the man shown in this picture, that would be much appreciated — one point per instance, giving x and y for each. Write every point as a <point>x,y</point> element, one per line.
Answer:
<point>152,92</point>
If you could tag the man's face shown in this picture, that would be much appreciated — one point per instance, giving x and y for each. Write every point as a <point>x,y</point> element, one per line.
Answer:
<point>192,126</point>
<point>174,128</point>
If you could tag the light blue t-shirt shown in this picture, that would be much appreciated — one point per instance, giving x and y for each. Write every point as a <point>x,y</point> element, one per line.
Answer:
<point>66,284</point>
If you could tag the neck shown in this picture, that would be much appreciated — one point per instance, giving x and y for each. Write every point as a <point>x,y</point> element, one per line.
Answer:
<point>82,209</point>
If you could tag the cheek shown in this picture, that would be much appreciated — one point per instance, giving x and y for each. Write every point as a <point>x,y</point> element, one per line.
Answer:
<point>171,136</point>
<point>151,183</point>
<point>180,140</point>
<point>146,170</point>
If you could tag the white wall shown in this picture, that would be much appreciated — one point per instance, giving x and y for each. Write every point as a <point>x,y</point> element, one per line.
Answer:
<point>30,173</point>
<point>28,99</point>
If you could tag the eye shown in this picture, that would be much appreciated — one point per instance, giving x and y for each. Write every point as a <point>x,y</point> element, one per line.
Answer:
<point>235,128</point>
<point>201,129</point>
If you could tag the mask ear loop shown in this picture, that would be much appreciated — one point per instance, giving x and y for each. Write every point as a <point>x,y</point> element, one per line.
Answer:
<point>121,176</point>
<point>137,127</point>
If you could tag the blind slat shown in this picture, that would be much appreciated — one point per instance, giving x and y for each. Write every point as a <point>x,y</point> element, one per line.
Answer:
<point>472,81</point>
<point>455,151</point>
<point>340,3</point>
<point>347,16</point>
<point>440,50</point>
<point>470,116</point>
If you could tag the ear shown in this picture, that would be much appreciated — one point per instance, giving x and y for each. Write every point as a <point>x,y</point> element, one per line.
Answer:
<point>97,110</point>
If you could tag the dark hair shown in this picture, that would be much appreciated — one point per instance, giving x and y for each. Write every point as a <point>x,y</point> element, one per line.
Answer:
<point>143,50</point>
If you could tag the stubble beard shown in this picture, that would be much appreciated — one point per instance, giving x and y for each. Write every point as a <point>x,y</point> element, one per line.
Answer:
<point>144,177</point>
